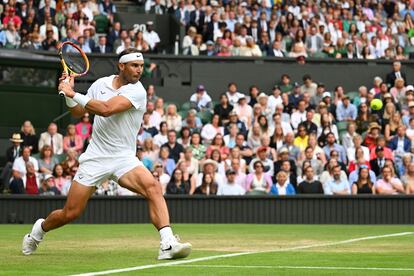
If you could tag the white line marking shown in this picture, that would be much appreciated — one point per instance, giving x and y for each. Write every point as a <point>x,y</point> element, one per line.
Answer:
<point>300,267</point>
<point>208,258</point>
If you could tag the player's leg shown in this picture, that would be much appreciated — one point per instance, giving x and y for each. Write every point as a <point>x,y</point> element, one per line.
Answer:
<point>75,204</point>
<point>141,181</point>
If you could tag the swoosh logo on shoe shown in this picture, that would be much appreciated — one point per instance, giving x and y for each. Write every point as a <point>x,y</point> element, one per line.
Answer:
<point>168,249</point>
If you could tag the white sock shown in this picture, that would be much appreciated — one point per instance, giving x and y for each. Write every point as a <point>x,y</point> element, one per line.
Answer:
<point>166,233</point>
<point>37,230</point>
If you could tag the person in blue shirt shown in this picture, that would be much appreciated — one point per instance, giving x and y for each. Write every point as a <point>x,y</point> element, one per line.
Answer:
<point>282,185</point>
<point>346,111</point>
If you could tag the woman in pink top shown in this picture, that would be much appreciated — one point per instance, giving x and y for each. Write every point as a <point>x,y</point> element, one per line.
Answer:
<point>72,140</point>
<point>388,185</point>
<point>84,127</point>
<point>258,181</point>
<point>218,143</point>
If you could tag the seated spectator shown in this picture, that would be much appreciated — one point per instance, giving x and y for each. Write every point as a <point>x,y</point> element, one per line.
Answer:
<point>348,137</point>
<point>309,185</point>
<point>363,185</point>
<point>223,109</point>
<point>27,184</point>
<point>251,49</point>
<point>185,137</point>
<point>70,162</point>
<point>61,178</point>
<point>159,106</point>
<point>282,185</point>
<point>318,152</point>
<point>378,163</point>
<point>189,163</point>
<point>261,155</point>
<point>314,162</point>
<point>230,187</point>
<point>327,175</point>
<point>389,184</point>
<point>301,140</point>
<point>167,162</point>
<point>84,128</point>
<point>230,139</point>
<point>210,130</point>
<point>400,143</point>
<point>172,118</point>
<point>200,100</point>
<point>175,149</point>
<point>336,186</point>
<point>192,122</point>
<point>198,149</point>
<point>47,160</point>
<point>381,142</point>
<point>332,145</point>
<point>357,143</point>
<point>232,94</point>
<point>145,161</point>
<point>162,137</point>
<point>208,186</point>
<point>373,133</point>
<point>150,150</point>
<point>359,159</point>
<point>208,167</point>
<point>294,151</point>
<point>19,164</point>
<point>258,182</point>
<point>253,138</point>
<point>28,134</point>
<point>234,119</point>
<point>151,37</point>
<point>391,125</point>
<point>216,156</point>
<point>52,138</point>
<point>161,176</point>
<point>277,139</point>
<point>15,150</point>
<point>177,185</point>
<point>404,169</point>
<point>48,186</point>
<point>219,144</point>
<point>72,140</point>
<point>244,111</point>
<point>103,46</point>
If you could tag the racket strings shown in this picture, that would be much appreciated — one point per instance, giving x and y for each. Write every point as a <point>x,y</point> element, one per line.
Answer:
<point>74,59</point>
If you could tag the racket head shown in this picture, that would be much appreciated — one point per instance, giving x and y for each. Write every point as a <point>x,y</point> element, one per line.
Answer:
<point>73,59</point>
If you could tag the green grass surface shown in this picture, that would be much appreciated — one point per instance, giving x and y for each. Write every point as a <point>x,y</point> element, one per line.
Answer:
<point>89,248</point>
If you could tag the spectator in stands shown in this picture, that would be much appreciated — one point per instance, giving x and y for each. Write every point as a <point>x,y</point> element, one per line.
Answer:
<point>346,111</point>
<point>210,130</point>
<point>28,183</point>
<point>177,185</point>
<point>48,186</point>
<point>61,178</point>
<point>161,138</point>
<point>301,140</point>
<point>167,162</point>
<point>309,185</point>
<point>395,74</point>
<point>172,118</point>
<point>47,161</point>
<point>261,155</point>
<point>363,185</point>
<point>189,163</point>
<point>198,149</point>
<point>200,100</point>
<point>52,138</point>
<point>108,9</point>
<point>159,106</point>
<point>28,134</point>
<point>15,150</point>
<point>336,186</point>
<point>160,174</point>
<point>19,164</point>
<point>208,186</point>
<point>151,37</point>
<point>230,187</point>
<point>294,151</point>
<point>70,162</point>
<point>282,185</point>
<point>232,94</point>
<point>126,44</point>
<point>72,140</point>
<point>308,124</point>
<point>315,163</point>
<point>150,150</point>
<point>103,47</point>
<point>258,182</point>
<point>208,167</point>
<point>348,137</point>
<point>13,38</point>
<point>223,109</point>
<point>378,163</point>
<point>400,143</point>
<point>389,184</point>
<point>175,149</point>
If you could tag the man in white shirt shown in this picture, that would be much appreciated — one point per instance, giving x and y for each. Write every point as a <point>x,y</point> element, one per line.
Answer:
<point>233,94</point>
<point>19,164</point>
<point>155,117</point>
<point>299,115</point>
<point>200,100</point>
<point>118,102</point>
<point>52,138</point>
<point>151,37</point>
<point>230,187</point>
<point>274,99</point>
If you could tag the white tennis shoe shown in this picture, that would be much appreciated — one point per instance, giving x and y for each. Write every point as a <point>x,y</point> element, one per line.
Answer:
<point>173,249</point>
<point>29,244</point>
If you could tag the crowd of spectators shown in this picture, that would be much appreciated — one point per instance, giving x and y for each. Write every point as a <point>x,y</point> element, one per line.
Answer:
<point>362,29</point>
<point>298,139</point>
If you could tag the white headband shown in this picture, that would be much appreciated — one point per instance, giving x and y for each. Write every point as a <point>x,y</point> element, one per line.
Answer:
<point>131,57</point>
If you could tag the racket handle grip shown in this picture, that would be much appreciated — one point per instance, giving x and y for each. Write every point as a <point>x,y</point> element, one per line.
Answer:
<point>61,93</point>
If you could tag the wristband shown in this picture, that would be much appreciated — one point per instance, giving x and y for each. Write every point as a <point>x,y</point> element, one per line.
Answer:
<point>70,102</point>
<point>81,99</point>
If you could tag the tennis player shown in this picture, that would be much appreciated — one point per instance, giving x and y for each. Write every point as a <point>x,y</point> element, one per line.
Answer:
<point>119,102</point>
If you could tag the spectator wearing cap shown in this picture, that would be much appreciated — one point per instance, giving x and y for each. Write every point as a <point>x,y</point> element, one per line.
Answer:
<point>230,186</point>
<point>200,100</point>
<point>309,185</point>
<point>395,74</point>
<point>15,150</point>
<point>282,186</point>
<point>159,173</point>
<point>210,51</point>
<point>388,184</point>
<point>379,162</point>
<point>10,16</point>
<point>373,133</point>
<point>151,37</point>
<point>407,98</point>
<point>284,155</point>
<point>382,142</point>
<point>332,145</point>
<point>261,155</point>
<point>48,187</point>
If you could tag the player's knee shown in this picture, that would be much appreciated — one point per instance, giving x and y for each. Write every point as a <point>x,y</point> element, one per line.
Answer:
<point>153,189</point>
<point>70,215</point>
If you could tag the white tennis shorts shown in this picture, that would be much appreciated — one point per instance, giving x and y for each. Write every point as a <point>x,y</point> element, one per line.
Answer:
<point>93,171</point>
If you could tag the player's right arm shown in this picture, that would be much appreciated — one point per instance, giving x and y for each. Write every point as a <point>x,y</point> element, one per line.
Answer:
<point>76,110</point>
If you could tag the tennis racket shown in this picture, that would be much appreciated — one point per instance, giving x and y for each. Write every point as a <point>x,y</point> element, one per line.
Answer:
<point>74,61</point>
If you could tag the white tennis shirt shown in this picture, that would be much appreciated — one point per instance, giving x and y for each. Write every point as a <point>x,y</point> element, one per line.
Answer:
<point>115,136</point>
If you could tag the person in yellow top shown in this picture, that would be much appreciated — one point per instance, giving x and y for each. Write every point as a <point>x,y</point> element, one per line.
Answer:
<point>301,140</point>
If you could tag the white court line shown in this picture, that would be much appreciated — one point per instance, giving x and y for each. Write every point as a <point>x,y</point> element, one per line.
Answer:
<point>299,267</point>
<point>208,258</point>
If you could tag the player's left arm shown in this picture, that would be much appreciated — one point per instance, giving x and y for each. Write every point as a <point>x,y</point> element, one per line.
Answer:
<point>114,105</point>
